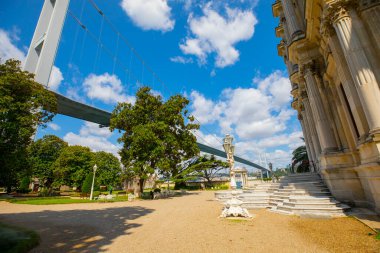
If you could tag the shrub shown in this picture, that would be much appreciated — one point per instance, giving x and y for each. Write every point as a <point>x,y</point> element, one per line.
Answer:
<point>223,187</point>
<point>24,185</point>
<point>87,183</point>
<point>157,190</point>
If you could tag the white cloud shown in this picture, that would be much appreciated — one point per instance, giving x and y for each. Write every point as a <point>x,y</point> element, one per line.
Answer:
<point>90,128</point>
<point>55,79</point>
<point>106,88</point>
<point>205,110</point>
<point>149,14</point>
<point>92,136</point>
<point>213,33</point>
<point>54,126</point>
<point>248,112</point>
<point>7,48</point>
<point>181,59</point>
<point>74,93</point>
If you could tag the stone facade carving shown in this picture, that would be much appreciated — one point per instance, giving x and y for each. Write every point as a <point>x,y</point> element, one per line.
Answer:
<point>336,90</point>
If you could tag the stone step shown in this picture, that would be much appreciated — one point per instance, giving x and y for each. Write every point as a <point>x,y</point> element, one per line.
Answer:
<point>311,209</point>
<point>307,183</point>
<point>307,205</point>
<point>255,205</point>
<point>275,210</point>
<point>254,198</point>
<point>303,199</point>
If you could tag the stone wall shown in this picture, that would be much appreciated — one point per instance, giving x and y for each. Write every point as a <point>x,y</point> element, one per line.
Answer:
<point>332,51</point>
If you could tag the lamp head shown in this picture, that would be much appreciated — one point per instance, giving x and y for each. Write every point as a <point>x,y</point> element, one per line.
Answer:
<point>95,167</point>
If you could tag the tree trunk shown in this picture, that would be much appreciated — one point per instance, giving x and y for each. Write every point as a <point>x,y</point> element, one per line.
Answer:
<point>141,185</point>
<point>9,189</point>
<point>209,182</point>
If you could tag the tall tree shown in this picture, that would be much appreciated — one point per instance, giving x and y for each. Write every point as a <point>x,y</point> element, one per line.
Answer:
<point>205,167</point>
<point>109,168</point>
<point>73,165</point>
<point>43,153</point>
<point>155,133</point>
<point>24,105</point>
<point>300,160</point>
<point>180,142</point>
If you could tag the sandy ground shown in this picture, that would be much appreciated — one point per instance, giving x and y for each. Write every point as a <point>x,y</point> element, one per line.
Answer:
<point>188,223</point>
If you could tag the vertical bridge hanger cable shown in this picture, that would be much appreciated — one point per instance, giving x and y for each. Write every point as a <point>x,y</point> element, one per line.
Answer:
<point>141,60</point>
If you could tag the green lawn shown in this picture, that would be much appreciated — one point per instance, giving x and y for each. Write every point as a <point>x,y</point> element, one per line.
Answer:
<point>17,240</point>
<point>61,200</point>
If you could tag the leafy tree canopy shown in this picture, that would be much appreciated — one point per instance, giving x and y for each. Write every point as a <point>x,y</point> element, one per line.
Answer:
<point>156,134</point>
<point>24,105</point>
<point>73,165</point>
<point>109,168</point>
<point>43,153</point>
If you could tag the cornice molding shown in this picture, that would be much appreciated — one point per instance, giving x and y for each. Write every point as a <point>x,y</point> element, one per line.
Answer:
<point>366,4</point>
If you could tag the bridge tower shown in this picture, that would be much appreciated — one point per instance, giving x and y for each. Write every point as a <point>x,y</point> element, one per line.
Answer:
<point>44,45</point>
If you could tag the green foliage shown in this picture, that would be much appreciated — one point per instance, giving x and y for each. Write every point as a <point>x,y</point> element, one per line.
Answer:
<point>17,240</point>
<point>72,166</point>
<point>87,183</point>
<point>205,167</point>
<point>24,184</point>
<point>109,168</point>
<point>24,105</point>
<point>155,134</point>
<point>300,160</point>
<point>43,153</point>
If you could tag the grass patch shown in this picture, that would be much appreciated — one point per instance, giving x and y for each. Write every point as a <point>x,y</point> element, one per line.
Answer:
<point>377,237</point>
<point>17,240</point>
<point>236,220</point>
<point>49,201</point>
<point>61,200</point>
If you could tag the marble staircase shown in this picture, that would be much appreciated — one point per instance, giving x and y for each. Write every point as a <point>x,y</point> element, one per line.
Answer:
<point>297,194</point>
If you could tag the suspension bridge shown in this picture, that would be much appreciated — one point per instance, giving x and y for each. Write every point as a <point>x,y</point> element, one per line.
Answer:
<point>41,57</point>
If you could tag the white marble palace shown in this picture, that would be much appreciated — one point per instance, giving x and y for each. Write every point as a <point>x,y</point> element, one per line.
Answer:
<point>332,51</point>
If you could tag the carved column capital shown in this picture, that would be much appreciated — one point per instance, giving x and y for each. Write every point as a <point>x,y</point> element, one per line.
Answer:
<point>304,94</point>
<point>309,68</point>
<point>338,9</point>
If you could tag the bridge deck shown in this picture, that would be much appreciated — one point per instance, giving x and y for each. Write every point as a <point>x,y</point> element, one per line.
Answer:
<point>85,112</point>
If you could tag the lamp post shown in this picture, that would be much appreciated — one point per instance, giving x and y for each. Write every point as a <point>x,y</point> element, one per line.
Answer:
<point>230,149</point>
<point>93,181</point>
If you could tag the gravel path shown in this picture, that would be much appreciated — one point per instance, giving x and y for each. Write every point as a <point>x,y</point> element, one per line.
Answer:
<point>188,223</point>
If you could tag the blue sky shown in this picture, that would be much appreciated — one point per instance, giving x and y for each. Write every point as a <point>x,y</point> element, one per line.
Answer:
<point>220,54</point>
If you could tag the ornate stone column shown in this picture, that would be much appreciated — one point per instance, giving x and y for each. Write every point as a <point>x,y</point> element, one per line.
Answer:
<point>308,115</point>
<point>325,133</point>
<point>294,26</point>
<point>308,140</point>
<point>330,109</point>
<point>343,16</point>
<point>286,29</point>
<point>348,86</point>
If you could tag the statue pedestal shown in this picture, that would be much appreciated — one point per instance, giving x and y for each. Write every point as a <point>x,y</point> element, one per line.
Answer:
<point>233,209</point>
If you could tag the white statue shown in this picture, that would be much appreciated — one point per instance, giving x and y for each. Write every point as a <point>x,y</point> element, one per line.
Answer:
<point>230,149</point>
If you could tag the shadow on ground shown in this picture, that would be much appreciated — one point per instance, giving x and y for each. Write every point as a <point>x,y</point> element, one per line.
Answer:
<point>78,230</point>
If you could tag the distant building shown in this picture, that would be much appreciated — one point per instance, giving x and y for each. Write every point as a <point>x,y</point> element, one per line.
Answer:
<point>332,52</point>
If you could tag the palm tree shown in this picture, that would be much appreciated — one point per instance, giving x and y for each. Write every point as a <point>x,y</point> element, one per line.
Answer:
<point>300,160</point>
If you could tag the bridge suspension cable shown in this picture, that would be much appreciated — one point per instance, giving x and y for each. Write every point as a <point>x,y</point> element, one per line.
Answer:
<point>127,70</point>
